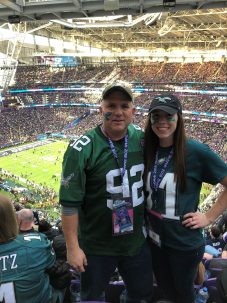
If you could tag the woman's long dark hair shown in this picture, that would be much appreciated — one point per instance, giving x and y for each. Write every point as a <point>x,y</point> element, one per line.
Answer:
<point>151,144</point>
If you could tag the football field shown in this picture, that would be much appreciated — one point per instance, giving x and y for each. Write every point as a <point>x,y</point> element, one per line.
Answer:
<point>40,165</point>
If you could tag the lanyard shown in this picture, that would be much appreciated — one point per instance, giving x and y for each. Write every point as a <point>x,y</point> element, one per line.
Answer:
<point>114,153</point>
<point>156,180</point>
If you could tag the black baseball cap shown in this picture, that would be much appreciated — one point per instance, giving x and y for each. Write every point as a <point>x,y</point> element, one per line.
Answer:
<point>167,102</point>
<point>117,87</point>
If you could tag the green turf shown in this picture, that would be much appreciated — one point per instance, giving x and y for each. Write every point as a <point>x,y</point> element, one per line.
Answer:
<point>38,165</point>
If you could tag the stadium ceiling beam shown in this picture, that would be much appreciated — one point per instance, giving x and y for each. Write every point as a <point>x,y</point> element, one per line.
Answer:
<point>141,5</point>
<point>169,41</point>
<point>109,24</point>
<point>198,28</point>
<point>146,31</point>
<point>39,27</point>
<point>78,5</point>
<point>12,5</point>
<point>44,10</point>
<point>195,13</point>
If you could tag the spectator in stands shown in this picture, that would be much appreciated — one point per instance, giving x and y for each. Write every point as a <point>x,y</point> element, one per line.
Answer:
<point>46,228</point>
<point>224,252</point>
<point>24,261</point>
<point>36,217</point>
<point>222,224</point>
<point>59,244</point>
<point>175,168</point>
<point>216,239</point>
<point>17,206</point>
<point>59,247</point>
<point>25,219</point>
<point>110,157</point>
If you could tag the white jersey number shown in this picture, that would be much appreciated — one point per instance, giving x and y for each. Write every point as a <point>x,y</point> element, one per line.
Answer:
<point>168,185</point>
<point>7,294</point>
<point>82,141</point>
<point>137,194</point>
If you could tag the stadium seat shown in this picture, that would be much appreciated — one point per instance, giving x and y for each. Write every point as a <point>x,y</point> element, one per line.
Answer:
<point>113,291</point>
<point>211,285</point>
<point>214,266</point>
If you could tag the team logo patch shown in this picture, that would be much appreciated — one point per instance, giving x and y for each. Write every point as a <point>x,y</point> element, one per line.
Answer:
<point>65,181</point>
<point>161,160</point>
<point>163,99</point>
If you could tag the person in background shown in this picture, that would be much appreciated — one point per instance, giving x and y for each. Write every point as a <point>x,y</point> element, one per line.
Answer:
<point>102,193</point>
<point>59,247</point>
<point>24,259</point>
<point>216,239</point>
<point>46,228</point>
<point>222,223</point>
<point>224,252</point>
<point>175,168</point>
<point>25,219</point>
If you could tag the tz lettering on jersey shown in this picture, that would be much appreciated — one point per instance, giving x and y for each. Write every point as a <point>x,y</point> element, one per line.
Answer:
<point>23,262</point>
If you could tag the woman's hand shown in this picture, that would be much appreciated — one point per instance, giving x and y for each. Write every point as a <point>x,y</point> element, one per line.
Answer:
<point>195,220</point>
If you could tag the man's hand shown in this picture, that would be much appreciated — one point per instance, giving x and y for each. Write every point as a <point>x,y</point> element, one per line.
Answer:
<point>77,259</point>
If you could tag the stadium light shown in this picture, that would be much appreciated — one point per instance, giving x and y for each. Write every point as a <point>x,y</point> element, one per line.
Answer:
<point>169,3</point>
<point>14,19</point>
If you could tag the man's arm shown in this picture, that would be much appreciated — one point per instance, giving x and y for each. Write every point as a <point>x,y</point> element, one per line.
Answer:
<point>75,255</point>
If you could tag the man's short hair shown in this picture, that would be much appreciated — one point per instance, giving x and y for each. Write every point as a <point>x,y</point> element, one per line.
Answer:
<point>25,215</point>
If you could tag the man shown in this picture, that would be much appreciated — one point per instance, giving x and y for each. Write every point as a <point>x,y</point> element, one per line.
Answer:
<point>102,193</point>
<point>24,261</point>
<point>25,219</point>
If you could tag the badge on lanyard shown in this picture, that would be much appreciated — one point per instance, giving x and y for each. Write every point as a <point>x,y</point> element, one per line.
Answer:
<point>154,226</point>
<point>122,212</point>
<point>122,216</point>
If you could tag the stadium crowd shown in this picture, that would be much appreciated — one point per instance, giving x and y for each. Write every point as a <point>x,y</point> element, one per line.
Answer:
<point>25,124</point>
<point>140,72</point>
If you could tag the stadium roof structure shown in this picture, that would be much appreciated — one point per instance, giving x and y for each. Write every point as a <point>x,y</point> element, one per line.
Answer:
<point>120,25</point>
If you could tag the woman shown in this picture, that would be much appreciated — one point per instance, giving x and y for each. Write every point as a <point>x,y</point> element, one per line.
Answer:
<point>175,168</point>
<point>24,260</point>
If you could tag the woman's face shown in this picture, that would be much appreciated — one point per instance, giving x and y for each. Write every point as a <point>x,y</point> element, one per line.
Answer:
<point>164,126</point>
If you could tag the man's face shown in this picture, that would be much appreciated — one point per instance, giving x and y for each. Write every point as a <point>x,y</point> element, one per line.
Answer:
<point>117,112</point>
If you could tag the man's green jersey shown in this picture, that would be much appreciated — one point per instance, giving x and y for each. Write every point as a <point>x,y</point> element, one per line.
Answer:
<point>91,177</point>
<point>202,165</point>
<point>23,262</point>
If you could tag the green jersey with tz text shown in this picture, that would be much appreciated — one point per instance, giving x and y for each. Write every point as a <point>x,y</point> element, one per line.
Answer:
<point>91,177</point>
<point>23,262</point>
